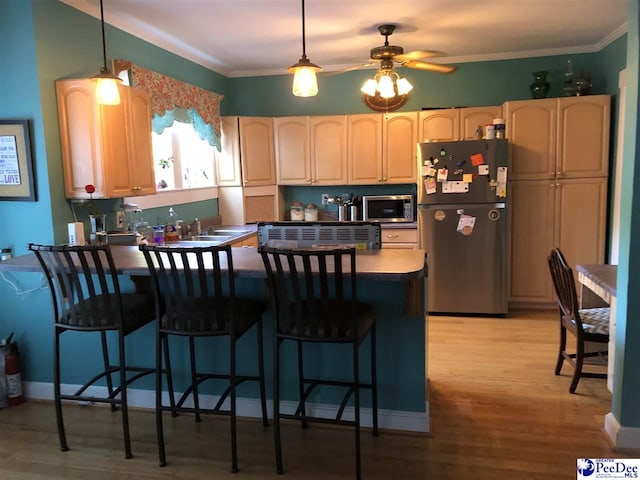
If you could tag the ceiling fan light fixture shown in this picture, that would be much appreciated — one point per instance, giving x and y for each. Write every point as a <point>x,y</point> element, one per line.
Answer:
<point>404,86</point>
<point>369,87</point>
<point>385,87</point>
<point>305,83</point>
<point>106,82</point>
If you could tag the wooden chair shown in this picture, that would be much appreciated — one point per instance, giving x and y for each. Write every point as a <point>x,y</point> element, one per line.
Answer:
<point>195,297</point>
<point>587,325</point>
<point>312,304</point>
<point>86,297</point>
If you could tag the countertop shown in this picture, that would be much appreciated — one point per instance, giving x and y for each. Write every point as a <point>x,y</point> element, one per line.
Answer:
<point>383,265</point>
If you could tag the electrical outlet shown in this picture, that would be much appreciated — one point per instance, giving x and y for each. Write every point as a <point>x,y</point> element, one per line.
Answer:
<point>325,198</point>
<point>120,220</point>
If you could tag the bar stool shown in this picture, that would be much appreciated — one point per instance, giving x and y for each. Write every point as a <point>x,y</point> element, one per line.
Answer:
<point>195,296</point>
<point>314,300</point>
<point>86,297</point>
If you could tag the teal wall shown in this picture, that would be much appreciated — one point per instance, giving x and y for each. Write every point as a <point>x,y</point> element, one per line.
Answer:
<point>473,84</point>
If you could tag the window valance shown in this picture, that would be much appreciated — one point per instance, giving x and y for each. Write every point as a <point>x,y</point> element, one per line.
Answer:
<point>168,93</point>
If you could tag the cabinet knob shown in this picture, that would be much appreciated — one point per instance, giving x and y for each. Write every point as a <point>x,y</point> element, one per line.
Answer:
<point>392,236</point>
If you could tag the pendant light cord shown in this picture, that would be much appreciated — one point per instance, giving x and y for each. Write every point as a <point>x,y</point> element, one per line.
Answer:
<point>304,49</point>
<point>104,43</point>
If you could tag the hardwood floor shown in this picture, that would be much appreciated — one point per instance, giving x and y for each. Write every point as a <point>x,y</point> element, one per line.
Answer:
<point>497,411</point>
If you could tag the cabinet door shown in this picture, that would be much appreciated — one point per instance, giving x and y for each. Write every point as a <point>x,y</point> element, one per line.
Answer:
<point>583,136</point>
<point>531,130</point>
<point>328,141</point>
<point>399,140</point>
<point>439,125</point>
<point>532,224</point>
<point>228,159</point>
<point>365,148</point>
<point>80,132</point>
<point>139,142</point>
<point>473,118</point>
<point>581,206</point>
<point>256,151</point>
<point>291,140</point>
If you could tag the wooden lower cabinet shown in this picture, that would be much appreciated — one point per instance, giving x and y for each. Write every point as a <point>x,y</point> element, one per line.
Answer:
<point>569,214</point>
<point>240,205</point>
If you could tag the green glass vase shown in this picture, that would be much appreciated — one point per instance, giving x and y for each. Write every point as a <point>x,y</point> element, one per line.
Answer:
<point>540,87</point>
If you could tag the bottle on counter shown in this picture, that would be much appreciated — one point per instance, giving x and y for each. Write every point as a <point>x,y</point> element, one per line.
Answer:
<point>195,227</point>
<point>171,233</point>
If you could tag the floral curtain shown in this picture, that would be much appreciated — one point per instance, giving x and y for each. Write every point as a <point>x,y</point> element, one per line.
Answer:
<point>168,93</point>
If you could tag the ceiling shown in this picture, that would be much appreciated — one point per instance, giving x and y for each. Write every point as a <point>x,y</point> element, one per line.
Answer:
<point>240,38</point>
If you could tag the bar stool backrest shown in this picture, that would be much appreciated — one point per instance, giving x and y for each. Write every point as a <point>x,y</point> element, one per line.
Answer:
<point>84,285</point>
<point>314,292</point>
<point>195,286</point>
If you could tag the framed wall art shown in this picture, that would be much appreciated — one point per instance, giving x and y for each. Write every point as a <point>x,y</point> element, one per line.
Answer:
<point>16,164</point>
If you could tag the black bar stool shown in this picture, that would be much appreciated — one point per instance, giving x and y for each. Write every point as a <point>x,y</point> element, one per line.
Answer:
<point>314,300</point>
<point>195,297</point>
<point>86,297</point>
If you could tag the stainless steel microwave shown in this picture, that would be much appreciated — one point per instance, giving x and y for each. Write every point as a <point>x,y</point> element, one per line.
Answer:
<point>388,208</point>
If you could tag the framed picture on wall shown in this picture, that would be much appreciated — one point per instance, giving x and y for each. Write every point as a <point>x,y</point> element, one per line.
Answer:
<point>16,164</point>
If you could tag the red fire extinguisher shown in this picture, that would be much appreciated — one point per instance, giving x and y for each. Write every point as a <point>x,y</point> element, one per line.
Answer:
<point>12,371</point>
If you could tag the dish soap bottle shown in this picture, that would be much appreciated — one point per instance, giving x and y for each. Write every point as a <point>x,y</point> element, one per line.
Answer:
<point>170,229</point>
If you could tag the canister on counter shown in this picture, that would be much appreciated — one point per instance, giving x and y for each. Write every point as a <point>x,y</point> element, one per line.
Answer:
<point>296,211</point>
<point>5,254</point>
<point>311,213</point>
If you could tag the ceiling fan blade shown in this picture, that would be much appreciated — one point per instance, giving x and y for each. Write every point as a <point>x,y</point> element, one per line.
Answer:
<point>418,54</point>
<point>350,69</point>
<point>433,67</point>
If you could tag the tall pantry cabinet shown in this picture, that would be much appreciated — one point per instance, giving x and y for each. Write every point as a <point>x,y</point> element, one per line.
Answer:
<point>559,157</point>
<point>246,170</point>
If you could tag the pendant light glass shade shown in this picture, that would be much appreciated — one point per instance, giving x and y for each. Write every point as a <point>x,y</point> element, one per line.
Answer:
<point>305,83</point>
<point>106,82</point>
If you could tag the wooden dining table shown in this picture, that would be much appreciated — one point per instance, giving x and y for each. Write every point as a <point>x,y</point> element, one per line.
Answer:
<point>598,289</point>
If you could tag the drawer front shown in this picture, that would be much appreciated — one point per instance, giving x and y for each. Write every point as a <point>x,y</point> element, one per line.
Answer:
<point>399,235</point>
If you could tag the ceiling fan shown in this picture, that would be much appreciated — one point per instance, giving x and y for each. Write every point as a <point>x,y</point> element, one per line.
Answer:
<point>388,54</point>
<point>387,91</point>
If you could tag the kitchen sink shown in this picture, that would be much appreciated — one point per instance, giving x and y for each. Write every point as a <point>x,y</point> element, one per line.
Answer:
<point>211,238</point>
<point>230,233</point>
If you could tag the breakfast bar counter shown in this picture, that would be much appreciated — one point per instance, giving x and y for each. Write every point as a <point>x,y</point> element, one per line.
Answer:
<point>392,280</point>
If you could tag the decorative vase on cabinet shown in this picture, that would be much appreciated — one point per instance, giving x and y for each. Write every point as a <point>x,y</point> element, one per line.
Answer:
<point>540,87</point>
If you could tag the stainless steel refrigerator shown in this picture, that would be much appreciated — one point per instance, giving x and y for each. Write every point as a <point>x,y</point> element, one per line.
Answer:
<point>463,225</point>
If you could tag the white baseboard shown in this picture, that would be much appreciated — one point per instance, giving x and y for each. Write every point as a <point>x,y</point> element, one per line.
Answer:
<point>250,407</point>
<point>622,438</point>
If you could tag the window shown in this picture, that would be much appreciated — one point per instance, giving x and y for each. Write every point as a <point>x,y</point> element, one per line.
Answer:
<point>182,159</point>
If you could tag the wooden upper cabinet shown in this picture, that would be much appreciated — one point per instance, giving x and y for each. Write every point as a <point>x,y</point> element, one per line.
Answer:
<point>583,136</point>
<point>328,149</point>
<point>108,146</point>
<point>399,140</point>
<point>439,125</point>
<point>365,148</point>
<point>472,118</point>
<point>291,136</point>
<point>532,132</point>
<point>564,137</point>
<point>451,124</point>
<point>228,167</point>
<point>257,151</point>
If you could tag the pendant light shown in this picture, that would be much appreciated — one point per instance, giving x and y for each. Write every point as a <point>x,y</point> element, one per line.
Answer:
<point>107,83</point>
<point>305,83</point>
